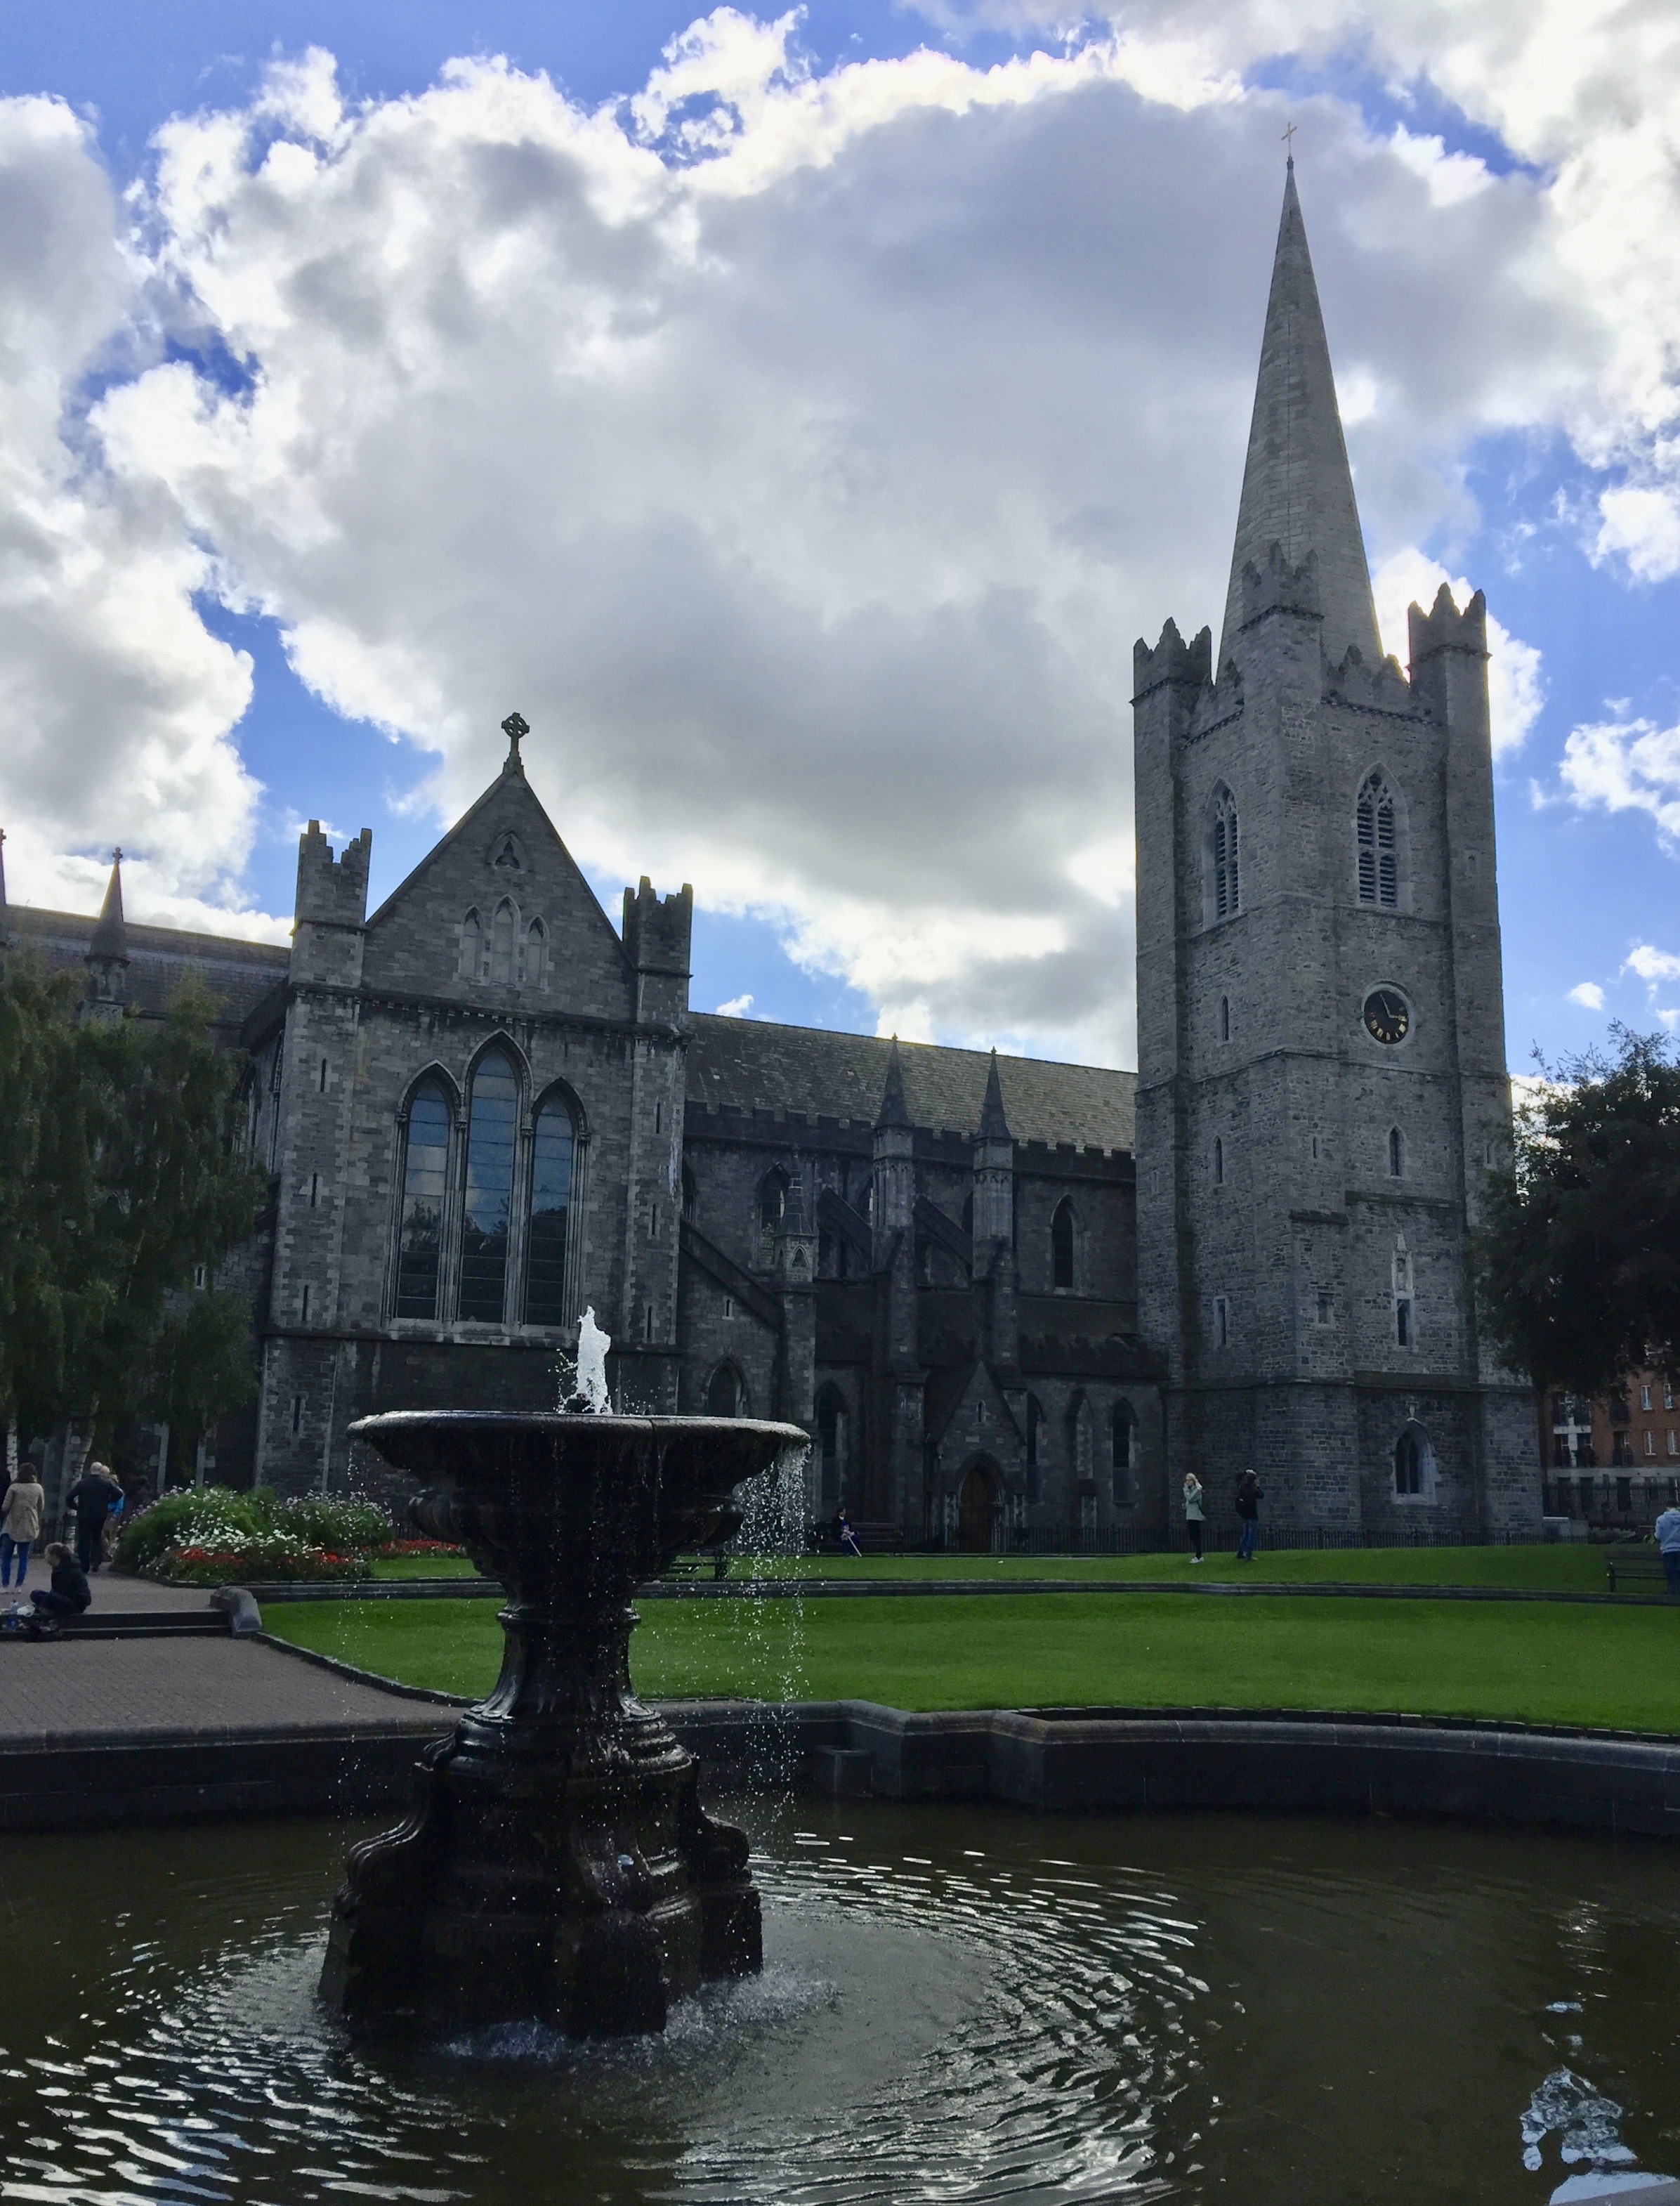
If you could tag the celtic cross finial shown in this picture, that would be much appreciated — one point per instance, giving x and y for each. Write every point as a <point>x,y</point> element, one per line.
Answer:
<point>514,727</point>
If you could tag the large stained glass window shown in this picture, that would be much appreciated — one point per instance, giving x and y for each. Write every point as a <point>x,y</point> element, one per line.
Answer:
<point>491,1125</point>
<point>551,1208</point>
<point>425,1178</point>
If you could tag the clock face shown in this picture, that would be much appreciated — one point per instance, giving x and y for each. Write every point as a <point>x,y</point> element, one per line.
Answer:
<point>1387,1016</point>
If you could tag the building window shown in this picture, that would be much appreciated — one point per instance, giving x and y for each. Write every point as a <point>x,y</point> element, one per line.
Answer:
<point>1122,1442</point>
<point>773,1204</point>
<point>1672,1449</point>
<point>1221,1321</point>
<point>1668,1398</point>
<point>1403,1325</point>
<point>1062,1246</point>
<point>1397,1153</point>
<point>1227,897</point>
<point>1645,1397</point>
<point>472,947</point>
<point>832,1437</point>
<point>648,1322</point>
<point>1650,1441</point>
<point>1413,1466</point>
<point>1315,1148</point>
<point>690,1194</point>
<point>314,1188</point>
<point>324,1076</point>
<point>424,1176</point>
<point>1378,881</point>
<point>1402,1299</point>
<point>200,1276</point>
<point>503,930</point>
<point>1218,1162</point>
<point>492,1119</point>
<point>1034,1446</point>
<point>297,1415</point>
<point>1624,1493</point>
<point>535,972</point>
<point>306,1305</point>
<point>726,1396</point>
<point>551,1158</point>
<point>1224,1019</point>
<point>729,1306</point>
<point>1326,1312</point>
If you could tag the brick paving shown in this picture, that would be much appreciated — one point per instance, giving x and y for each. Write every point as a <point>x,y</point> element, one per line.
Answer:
<point>134,1596</point>
<point>120,1691</point>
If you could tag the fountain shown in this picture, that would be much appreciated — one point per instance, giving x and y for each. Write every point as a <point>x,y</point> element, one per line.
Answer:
<point>557,1866</point>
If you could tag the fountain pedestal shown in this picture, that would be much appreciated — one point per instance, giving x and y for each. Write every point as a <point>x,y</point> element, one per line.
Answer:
<point>557,1865</point>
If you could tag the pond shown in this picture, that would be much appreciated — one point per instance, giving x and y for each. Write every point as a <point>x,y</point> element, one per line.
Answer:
<point>958,2003</point>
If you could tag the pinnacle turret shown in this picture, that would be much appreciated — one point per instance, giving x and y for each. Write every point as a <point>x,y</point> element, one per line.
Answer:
<point>994,1126</point>
<point>894,1110</point>
<point>106,956</point>
<point>1297,488</point>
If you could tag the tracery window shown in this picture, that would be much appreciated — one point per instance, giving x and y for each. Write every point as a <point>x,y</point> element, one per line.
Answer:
<point>1375,829</point>
<point>425,1182</point>
<point>546,1301</point>
<point>1227,878</point>
<point>486,1212</point>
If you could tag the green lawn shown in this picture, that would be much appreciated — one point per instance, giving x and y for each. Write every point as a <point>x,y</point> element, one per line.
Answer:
<point>1565,1568</point>
<point>1614,1666</point>
<point>423,1566</point>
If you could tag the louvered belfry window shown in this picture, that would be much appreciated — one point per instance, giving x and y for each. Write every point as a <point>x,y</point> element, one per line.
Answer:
<point>1227,887</point>
<point>1378,874</point>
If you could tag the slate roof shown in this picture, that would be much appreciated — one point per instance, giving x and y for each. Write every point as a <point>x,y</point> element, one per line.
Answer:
<point>238,974</point>
<point>753,1065</point>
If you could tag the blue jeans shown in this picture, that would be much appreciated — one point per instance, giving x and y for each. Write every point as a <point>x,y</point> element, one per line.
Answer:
<point>8,1548</point>
<point>1671,1571</point>
<point>1247,1539</point>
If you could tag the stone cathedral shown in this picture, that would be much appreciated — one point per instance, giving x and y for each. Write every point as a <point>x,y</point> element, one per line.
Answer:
<point>1004,1314</point>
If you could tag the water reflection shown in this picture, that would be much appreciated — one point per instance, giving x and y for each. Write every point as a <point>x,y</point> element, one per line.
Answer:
<point>958,2004</point>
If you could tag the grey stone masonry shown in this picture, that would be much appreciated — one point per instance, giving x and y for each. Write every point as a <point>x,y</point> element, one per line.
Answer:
<point>1321,1083</point>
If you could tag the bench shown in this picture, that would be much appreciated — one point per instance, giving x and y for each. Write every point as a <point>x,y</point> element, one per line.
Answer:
<point>1629,1569</point>
<point>689,1566</point>
<point>873,1539</point>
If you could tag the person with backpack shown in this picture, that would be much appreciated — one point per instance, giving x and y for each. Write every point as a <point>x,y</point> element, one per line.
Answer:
<point>1249,1495</point>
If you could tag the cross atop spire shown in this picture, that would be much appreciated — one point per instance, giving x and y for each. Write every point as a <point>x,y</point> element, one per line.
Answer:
<point>514,728</point>
<point>1288,140</point>
<point>1297,489</point>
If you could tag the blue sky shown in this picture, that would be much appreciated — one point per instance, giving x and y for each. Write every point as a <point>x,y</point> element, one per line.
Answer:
<point>806,482</point>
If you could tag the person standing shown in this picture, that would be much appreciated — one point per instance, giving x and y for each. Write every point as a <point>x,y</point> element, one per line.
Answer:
<point>1667,1529</point>
<point>1249,1495</point>
<point>93,1496</point>
<point>848,1538</point>
<point>20,1524</point>
<point>1193,1512</point>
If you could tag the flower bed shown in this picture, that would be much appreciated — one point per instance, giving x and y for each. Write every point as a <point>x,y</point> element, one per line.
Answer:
<point>255,1560</point>
<point>393,1548</point>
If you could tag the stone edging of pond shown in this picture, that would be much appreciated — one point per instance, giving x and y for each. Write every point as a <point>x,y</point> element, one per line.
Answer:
<point>1280,1760</point>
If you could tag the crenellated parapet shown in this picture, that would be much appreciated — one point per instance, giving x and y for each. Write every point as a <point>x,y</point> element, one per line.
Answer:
<point>1445,628</point>
<point>1173,662</point>
<point>1278,588</point>
<point>1355,682</point>
<point>332,891</point>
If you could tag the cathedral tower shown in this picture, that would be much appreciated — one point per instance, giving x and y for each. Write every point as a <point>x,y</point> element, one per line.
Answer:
<point>1321,1072</point>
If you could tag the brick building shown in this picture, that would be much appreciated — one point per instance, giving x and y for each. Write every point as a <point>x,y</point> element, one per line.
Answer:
<point>483,1106</point>
<point>1613,1463</point>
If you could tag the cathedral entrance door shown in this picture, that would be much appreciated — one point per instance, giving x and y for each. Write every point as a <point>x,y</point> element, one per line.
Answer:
<point>976,1509</point>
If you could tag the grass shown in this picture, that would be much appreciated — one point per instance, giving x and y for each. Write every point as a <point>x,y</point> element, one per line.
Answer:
<point>423,1566</point>
<point>1591,1666</point>
<point>1564,1567</point>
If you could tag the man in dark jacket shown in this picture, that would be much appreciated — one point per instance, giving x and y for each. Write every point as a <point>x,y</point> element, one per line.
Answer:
<point>69,1595</point>
<point>93,1496</point>
<point>1249,1495</point>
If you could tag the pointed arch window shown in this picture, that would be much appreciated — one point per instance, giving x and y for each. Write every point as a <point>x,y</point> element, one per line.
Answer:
<point>1226,857</point>
<point>471,946</point>
<point>1062,1246</point>
<point>1123,1449</point>
<point>1379,858</point>
<point>534,966</point>
<point>726,1395</point>
<point>552,1145</point>
<point>425,1186</point>
<point>503,930</point>
<point>486,1211</point>
<point>772,1202</point>
<point>1413,1466</point>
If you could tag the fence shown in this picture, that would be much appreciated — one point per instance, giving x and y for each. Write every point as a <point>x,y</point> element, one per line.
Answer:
<point>1021,1541</point>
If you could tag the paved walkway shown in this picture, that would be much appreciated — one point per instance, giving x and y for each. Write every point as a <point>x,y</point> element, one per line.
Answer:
<point>131,1596</point>
<point>119,1691</point>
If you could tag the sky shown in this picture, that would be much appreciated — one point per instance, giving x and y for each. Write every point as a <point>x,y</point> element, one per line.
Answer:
<point>798,418</point>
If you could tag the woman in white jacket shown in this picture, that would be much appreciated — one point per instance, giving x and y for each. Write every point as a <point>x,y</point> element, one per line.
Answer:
<point>20,1524</point>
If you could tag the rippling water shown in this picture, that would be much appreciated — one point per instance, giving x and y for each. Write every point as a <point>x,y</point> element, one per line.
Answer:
<point>959,2004</point>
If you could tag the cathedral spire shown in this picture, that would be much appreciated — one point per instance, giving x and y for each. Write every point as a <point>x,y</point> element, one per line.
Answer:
<point>107,954</point>
<point>993,1125</point>
<point>894,1110</point>
<point>1297,491</point>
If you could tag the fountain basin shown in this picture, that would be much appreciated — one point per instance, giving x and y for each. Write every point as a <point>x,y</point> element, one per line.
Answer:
<point>557,1867</point>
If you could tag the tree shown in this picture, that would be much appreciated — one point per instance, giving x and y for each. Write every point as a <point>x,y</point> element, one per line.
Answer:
<point>1579,1276</point>
<point>121,1176</point>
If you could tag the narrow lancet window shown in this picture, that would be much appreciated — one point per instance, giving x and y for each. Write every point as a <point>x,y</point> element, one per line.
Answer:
<point>1378,877</point>
<point>1062,1246</point>
<point>472,947</point>
<point>1227,881</point>
<point>546,1301</point>
<point>485,1213</point>
<point>424,1177</point>
<point>501,930</point>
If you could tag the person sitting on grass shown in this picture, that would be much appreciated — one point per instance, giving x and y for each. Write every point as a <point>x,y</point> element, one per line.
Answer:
<point>1667,1530</point>
<point>67,1596</point>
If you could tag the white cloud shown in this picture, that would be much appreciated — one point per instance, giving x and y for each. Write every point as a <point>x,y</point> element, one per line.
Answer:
<point>1516,685</point>
<point>738,1007</point>
<point>1589,995</point>
<point>114,701</point>
<point>1642,526</point>
<point>1626,765</point>
<point>1651,963</point>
